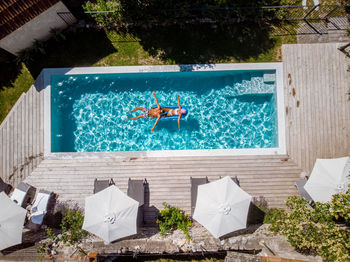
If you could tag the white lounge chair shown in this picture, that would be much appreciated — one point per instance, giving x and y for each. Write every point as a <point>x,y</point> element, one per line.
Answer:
<point>39,209</point>
<point>20,194</point>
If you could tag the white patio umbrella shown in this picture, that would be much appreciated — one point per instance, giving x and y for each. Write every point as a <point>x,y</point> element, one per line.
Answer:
<point>222,207</point>
<point>110,214</point>
<point>11,222</point>
<point>328,177</point>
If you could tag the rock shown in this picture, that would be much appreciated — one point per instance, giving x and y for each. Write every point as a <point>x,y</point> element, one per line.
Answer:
<point>181,242</point>
<point>232,240</point>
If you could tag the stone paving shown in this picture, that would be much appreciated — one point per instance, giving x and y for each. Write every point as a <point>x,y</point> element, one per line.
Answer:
<point>256,239</point>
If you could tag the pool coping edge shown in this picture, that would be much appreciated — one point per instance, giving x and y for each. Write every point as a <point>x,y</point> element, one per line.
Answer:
<point>278,66</point>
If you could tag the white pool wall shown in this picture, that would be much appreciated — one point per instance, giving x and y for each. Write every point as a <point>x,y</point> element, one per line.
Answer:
<point>278,67</point>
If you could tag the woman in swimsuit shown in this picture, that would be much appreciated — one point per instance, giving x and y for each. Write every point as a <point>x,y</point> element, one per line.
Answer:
<point>175,112</point>
<point>159,112</point>
<point>153,112</point>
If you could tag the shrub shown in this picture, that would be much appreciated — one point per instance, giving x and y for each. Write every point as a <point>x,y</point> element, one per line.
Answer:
<point>314,230</point>
<point>71,232</point>
<point>172,218</point>
<point>105,20</point>
<point>340,207</point>
<point>272,215</point>
<point>71,225</point>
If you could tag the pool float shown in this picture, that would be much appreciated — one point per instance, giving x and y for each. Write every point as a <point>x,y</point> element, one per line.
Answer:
<point>175,116</point>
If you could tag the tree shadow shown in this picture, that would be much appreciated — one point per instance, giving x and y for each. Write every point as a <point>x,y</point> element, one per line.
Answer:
<point>78,48</point>
<point>191,34</point>
<point>203,44</point>
<point>9,69</point>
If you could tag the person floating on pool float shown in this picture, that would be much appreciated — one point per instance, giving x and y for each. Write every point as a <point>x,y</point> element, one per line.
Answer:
<point>171,112</point>
<point>159,112</point>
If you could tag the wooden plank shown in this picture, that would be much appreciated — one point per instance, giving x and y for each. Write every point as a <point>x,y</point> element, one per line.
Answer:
<point>309,112</point>
<point>333,83</point>
<point>299,120</point>
<point>26,136</point>
<point>41,128</point>
<point>325,112</point>
<point>5,128</point>
<point>2,157</point>
<point>23,137</point>
<point>15,145</point>
<point>30,129</point>
<point>35,125</point>
<point>301,107</point>
<point>10,144</point>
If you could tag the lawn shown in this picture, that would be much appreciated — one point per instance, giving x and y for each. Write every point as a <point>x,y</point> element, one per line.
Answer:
<point>100,48</point>
<point>9,93</point>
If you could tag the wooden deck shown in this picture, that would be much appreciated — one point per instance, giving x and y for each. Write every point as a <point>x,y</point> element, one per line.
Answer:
<point>317,98</point>
<point>317,125</point>
<point>22,137</point>
<point>272,177</point>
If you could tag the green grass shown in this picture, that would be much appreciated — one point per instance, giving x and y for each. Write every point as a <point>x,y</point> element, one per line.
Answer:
<point>10,94</point>
<point>129,51</point>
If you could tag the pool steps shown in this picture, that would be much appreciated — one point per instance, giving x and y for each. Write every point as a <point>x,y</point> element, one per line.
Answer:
<point>251,83</point>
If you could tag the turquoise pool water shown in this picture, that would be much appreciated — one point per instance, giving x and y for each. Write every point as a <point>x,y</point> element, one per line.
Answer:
<point>227,110</point>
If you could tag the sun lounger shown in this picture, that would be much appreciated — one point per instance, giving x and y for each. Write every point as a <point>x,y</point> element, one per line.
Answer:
<point>101,184</point>
<point>4,187</point>
<point>23,194</point>
<point>136,190</point>
<point>234,179</point>
<point>195,182</point>
<point>302,192</point>
<point>39,209</point>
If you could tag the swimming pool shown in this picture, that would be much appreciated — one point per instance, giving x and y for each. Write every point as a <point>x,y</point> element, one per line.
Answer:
<point>229,108</point>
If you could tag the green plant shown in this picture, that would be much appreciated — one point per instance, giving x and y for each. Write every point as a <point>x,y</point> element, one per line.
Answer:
<point>42,249</point>
<point>39,47</point>
<point>50,234</point>
<point>340,207</point>
<point>57,34</point>
<point>172,218</point>
<point>71,225</point>
<point>25,56</point>
<point>110,18</point>
<point>71,232</point>
<point>312,230</point>
<point>272,215</point>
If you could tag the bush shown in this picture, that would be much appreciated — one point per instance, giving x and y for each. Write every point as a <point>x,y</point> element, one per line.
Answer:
<point>71,225</point>
<point>71,232</point>
<point>172,218</point>
<point>314,230</point>
<point>272,215</point>
<point>340,207</point>
<point>105,20</point>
